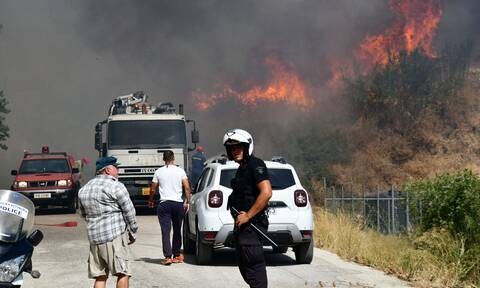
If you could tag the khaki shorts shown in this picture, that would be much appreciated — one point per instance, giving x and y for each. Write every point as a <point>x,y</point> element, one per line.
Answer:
<point>111,257</point>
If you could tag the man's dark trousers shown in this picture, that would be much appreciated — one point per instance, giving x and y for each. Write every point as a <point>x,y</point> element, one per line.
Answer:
<point>170,213</point>
<point>251,261</point>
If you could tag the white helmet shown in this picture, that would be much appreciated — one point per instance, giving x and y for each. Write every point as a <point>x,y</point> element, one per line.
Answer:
<point>238,136</point>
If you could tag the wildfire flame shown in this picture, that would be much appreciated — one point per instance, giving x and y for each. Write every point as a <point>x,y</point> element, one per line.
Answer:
<point>284,85</point>
<point>414,28</point>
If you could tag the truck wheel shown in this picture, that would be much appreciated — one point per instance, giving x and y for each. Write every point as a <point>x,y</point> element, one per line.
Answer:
<point>188,244</point>
<point>203,252</point>
<point>304,253</point>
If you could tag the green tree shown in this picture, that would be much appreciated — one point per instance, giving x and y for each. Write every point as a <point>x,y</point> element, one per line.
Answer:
<point>3,127</point>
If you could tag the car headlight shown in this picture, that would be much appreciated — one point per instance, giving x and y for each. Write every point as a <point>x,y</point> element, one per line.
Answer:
<point>22,184</point>
<point>64,182</point>
<point>11,268</point>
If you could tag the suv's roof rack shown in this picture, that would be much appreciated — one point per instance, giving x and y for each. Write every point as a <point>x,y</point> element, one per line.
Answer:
<point>279,159</point>
<point>222,159</point>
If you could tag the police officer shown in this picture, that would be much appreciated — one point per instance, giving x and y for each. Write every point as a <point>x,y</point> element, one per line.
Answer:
<point>251,192</point>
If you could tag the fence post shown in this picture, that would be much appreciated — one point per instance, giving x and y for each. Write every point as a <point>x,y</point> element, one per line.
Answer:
<point>407,214</point>
<point>393,210</point>
<point>325,193</point>
<point>389,216</point>
<point>378,209</point>
<point>363,210</point>
<point>351,198</point>
<point>343,199</point>
<point>334,200</point>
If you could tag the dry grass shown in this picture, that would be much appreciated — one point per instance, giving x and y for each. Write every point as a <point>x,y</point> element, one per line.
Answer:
<point>397,255</point>
<point>441,141</point>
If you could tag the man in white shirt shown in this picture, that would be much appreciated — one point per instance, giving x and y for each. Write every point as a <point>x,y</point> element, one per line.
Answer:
<point>170,181</point>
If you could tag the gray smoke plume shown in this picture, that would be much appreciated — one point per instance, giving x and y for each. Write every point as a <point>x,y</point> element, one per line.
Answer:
<point>62,62</point>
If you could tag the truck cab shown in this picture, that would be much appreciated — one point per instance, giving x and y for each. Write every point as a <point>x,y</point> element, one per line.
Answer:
<point>137,134</point>
<point>48,178</point>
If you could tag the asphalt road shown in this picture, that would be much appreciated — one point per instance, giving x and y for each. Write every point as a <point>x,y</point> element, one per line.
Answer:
<point>62,259</point>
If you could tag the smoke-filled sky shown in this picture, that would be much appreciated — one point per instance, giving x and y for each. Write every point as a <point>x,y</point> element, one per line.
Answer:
<point>62,62</point>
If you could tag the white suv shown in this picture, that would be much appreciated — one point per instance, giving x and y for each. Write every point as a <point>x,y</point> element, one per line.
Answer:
<point>209,224</point>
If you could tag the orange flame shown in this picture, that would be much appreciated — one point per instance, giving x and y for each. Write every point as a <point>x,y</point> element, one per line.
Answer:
<point>414,28</point>
<point>284,85</point>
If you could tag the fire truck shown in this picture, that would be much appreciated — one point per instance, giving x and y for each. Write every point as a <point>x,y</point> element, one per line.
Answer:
<point>137,134</point>
<point>48,178</point>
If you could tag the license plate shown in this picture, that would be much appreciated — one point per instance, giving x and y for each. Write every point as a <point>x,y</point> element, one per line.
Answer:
<point>146,191</point>
<point>42,195</point>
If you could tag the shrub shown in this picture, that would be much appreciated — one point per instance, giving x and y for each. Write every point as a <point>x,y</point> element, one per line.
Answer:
<point>449,201</point>
<point>447,212</point>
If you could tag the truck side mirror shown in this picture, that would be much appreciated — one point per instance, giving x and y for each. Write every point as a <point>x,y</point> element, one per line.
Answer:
<point>98,127</point>
<point>104,149</point>
<point>75,170</point>
<point>195,136</point>
<point>13,172</point>
<point>98,141</point>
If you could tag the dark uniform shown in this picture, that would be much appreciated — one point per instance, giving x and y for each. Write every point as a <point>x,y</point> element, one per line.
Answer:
<point>249,247</point>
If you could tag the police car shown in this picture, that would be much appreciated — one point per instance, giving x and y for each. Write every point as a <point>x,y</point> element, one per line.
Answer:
<point>208,224</point>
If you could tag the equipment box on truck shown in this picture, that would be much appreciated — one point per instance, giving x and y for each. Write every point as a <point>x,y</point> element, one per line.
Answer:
<point>48,178</point>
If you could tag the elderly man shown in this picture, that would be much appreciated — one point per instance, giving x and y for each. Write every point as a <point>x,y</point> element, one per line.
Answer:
<point>111,224</point>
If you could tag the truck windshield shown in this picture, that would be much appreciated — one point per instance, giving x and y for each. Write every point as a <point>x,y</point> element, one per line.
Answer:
<point>44,166</point>
<point>143,134</point>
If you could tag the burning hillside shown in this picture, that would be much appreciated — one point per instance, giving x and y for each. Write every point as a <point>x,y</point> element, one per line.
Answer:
<point>416,22</point>
<point>283,85</point>
<point>415,110</point>
<point>403,95</point>
<point>414,28</point>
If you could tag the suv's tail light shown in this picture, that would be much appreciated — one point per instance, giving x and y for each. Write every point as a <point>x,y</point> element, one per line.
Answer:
<point>215,198</point>
<point>306,233</point>
<point>209,236</point>
<point>301,198</point>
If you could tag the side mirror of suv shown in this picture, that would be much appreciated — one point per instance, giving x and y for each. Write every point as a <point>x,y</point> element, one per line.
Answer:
<point>75,170</point>
<point>13,172</point>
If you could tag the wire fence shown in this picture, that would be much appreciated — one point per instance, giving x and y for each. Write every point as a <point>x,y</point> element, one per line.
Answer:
<point>386,210</point>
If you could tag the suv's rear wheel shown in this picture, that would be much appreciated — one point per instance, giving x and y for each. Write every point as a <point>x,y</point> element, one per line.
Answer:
<point>203,252</point>
<point>188,244</point>
<point>304,252</point>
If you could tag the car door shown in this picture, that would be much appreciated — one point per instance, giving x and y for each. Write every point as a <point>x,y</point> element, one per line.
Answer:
<point>197,197</point>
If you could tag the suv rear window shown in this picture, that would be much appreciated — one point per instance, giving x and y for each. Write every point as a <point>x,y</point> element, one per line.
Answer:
<point>44,166</point>
<point>280,178</point>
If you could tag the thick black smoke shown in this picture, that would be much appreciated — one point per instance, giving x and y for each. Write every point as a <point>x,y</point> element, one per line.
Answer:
<point>63,62</point>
